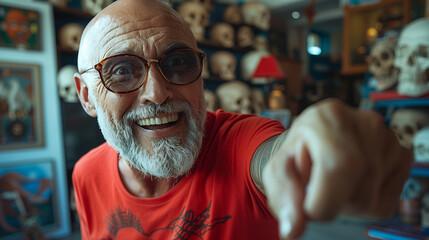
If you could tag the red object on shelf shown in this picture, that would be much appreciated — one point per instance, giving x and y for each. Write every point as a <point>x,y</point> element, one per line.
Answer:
<point>392,95</point>
<point>268,68</point>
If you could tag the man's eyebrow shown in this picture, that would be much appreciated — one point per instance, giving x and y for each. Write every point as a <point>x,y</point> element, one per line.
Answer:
<point>174,46</point>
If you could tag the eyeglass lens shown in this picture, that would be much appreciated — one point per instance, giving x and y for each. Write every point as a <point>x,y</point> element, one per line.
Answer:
<point>127,73</point>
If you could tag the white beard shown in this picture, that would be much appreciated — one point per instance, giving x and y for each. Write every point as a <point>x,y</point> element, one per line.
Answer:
<point>173,156</point>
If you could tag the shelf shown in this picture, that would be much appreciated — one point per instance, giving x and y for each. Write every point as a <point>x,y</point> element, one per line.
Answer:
<point>392,98</point>
<point>420,170</point>
<point>395,230</point>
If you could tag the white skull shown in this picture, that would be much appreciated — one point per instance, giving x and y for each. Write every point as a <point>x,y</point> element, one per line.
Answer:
<point>223,64</point>
<point>412,58</point>
<point>380,64</point>
<point>260,43</point>
<point>59,3</point>
<point>421,145</point>
<point>424,211</point>
<point>211,100</point>
<point>95,6</point>
<point>66,86</point>
<point>406,122</point>
<point>256,14</point>
<point>196,15</point>
<point>258,101</point>
<point>223,35</point>
<point>232,15</point>
<point>235,96</point>
<point>245,36</point>
<point>249,63</point>
<point>70,35</point>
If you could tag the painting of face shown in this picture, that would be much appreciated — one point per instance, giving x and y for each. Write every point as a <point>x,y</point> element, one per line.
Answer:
<point>19,28</point>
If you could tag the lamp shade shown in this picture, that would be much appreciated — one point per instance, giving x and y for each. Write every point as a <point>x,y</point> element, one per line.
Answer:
<point>268,68</point>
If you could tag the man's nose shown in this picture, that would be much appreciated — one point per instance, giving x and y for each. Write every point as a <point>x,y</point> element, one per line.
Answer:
<point>156,89</point>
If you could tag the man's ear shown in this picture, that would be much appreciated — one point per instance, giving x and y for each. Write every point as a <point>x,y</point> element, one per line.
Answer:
<point>82,92</point>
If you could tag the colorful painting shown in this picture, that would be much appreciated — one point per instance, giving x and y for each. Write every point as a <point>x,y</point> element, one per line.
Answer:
<point>20,106</point>
<point>19,28</point>
<point>27,200</point>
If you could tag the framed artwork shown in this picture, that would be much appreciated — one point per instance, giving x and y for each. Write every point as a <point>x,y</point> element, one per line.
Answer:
<point>19,28</point>
<point>20,106</point>
<point>28,201</point>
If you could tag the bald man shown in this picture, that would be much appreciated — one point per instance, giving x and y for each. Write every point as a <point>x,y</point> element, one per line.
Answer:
<point>172,170</point>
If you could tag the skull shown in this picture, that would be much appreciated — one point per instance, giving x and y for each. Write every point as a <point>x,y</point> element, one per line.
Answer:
<point>235,96</point>
<point>211,100</point>
<point>258,101</point>
<point>421,145</point>
<point>406,122</point>
<point>260,43</point>
<point>424,211</point>
<point>66,87</point>
<point>245,36</point>
<point>59,3</point>
<point>412,58</point>
<point>232,15</point>
<point>223,65</point>
<point>414,188</point>
<point>223,35</point>
<point>381,64</point>
<point>196,15</point>
<point>70,35</point>
<point>249,63</point>
<point>256,14</point>
<point>95,6</point>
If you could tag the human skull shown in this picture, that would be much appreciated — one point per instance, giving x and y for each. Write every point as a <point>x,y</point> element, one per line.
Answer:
<point>223,64</point>
<point>211,100</point>
<point>249,63</point>
<point>406,122</point>
<point>421,145</point>
<point>258,101</point>
<point>66,86</point>
<point>223,35</point>
<point>412,58</point>
<point>59,3</point>
<point>235,96</point>
<point>245,36</point>
<point>424,211</point>
<point>232,15</point>
<point>95,6</point>
<point>70,35</point>
<point>414,188</point>
<point>196,15</point>
<point>260,43</point>
<point>380,64</point>
<point>256,14</point>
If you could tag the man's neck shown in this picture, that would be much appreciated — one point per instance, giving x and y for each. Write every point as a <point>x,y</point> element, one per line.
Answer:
<point>144,186</point>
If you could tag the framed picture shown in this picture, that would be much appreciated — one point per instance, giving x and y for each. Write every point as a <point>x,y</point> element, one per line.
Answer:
<point>28,201</point>
<point>20,106</point>
<point>20,28</point>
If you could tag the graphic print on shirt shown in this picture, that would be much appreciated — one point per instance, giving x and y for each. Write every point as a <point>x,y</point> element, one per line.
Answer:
<point>185,227</point>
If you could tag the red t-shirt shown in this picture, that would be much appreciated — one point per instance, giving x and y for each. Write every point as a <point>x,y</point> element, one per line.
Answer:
<point>217,201</point>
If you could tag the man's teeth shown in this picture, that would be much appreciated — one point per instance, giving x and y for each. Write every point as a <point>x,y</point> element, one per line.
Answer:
<point>158,120</point>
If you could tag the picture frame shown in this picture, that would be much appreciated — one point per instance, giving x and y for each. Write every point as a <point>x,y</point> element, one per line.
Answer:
<point>20,28</point>
<point>21,123</point>
<point>28,199</point>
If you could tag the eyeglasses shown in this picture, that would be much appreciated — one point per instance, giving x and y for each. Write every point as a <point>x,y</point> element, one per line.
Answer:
<point>126,73</point>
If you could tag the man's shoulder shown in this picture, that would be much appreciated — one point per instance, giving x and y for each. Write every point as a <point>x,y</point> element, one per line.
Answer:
<point>95,158</point>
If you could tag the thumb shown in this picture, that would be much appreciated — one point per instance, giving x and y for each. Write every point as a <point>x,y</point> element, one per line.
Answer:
<point>285,191</point>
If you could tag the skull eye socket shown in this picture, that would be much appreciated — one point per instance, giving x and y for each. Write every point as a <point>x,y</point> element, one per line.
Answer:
<point>192,15</point>
<point>423,51</point>
<point>408,130</point>
<point>385,56</point>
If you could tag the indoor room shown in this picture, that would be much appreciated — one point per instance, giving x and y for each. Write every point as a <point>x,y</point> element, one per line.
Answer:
<point>214,119</point>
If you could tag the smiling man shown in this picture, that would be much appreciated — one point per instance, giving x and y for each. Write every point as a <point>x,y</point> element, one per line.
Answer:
<point>171,170</point>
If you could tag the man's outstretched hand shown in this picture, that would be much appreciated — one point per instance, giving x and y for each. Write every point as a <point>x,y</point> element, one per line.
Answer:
<point>335,159</point>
